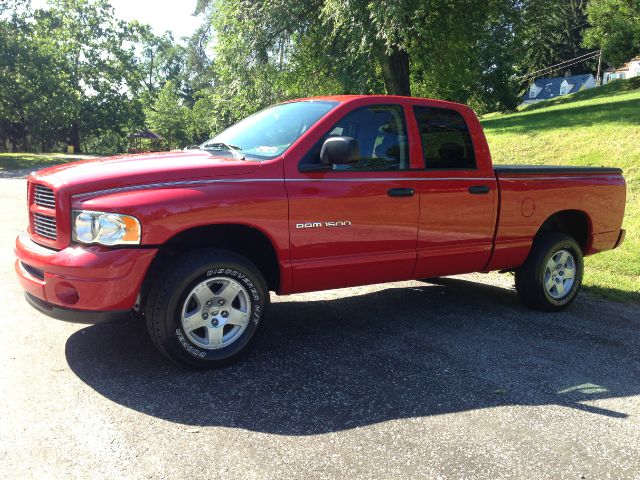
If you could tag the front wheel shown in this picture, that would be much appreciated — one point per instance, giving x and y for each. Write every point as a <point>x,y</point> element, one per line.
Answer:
<point>207,308</point>
<point>552,274</point>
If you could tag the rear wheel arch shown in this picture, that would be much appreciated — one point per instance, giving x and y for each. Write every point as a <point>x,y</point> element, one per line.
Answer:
<point>575,223</point>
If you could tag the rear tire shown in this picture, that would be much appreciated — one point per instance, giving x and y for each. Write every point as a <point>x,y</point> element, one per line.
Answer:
<point>551,276</point>
<point>207,308</point>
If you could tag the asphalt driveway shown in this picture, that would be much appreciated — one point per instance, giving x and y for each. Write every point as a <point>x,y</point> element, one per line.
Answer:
<point>444,379</point>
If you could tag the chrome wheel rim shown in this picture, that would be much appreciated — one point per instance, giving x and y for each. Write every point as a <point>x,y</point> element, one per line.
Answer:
<point>559,274</point>
<point>216,312</point>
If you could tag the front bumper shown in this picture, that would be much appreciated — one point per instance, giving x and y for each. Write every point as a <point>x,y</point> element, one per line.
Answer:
<point>93,278</point>
<point>77,316</point>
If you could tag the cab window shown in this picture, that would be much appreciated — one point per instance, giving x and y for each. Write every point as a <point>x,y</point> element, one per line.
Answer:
<point>446,142</point>
<point>381,133</point>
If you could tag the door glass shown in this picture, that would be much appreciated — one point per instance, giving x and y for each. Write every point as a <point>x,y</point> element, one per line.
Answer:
<point>446,143</point>
<point>381,133</point>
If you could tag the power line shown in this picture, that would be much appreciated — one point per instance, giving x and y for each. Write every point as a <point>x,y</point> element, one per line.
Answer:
<point>573,63</point>
<point>558,66</point>
<point>578,59</point>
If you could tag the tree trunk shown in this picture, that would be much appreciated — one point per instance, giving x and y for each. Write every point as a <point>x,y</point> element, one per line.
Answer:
<point>395,72</point>
<point>74,138</point>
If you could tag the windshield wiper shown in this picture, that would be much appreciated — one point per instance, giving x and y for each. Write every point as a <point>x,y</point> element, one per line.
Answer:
<point>235,151</point>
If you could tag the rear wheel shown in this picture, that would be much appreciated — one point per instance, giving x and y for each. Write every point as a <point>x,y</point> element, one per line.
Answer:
<point>552,274</point>
<point>207,308</point>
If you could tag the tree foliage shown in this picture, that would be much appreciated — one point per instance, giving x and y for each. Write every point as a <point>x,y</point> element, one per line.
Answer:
<point>614,27</point>
<point>168,115</point>
<point>98,62</point>
<point>552,33</point>
<point>68,72</point>
<point>269,51</point>
<point>74,73</point>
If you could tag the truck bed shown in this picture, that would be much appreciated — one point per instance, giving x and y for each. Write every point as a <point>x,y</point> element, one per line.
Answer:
<point>531,194</point>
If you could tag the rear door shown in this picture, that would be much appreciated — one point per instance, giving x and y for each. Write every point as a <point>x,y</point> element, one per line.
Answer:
<point>356,224</point>
<point>458,192</point>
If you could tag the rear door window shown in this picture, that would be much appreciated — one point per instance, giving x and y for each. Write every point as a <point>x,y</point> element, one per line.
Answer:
<point>446,142</point>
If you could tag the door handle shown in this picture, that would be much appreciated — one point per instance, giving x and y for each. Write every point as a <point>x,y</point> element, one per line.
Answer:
<point>401,192</point>
<point>479,189</point>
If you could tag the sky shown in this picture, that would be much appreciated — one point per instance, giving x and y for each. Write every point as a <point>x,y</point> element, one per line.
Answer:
<point>161,15</point>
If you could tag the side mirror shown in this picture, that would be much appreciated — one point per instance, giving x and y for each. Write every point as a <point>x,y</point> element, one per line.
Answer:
<point>339,151</point>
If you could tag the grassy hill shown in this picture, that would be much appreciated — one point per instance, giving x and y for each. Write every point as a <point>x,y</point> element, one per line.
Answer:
<point>597,127</point>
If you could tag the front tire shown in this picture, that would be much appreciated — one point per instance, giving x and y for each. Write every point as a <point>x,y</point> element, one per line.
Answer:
<point>207,309</point>
<point>552,274</point>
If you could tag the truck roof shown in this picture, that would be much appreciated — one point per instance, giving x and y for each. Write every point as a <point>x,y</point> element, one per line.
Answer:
<point>351,98</point>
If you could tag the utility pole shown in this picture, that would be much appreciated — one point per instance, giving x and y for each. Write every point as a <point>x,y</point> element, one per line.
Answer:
<point>598,77</point>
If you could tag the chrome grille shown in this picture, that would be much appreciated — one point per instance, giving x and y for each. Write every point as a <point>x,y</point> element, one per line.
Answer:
<point>45,226</point>
<point>44,196</point>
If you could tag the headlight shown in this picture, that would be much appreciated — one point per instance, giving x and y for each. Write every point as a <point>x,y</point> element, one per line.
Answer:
<point>105,228</point>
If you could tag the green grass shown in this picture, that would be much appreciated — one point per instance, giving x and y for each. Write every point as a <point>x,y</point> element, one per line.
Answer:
<point>597,127</point>
<point>19,161</point>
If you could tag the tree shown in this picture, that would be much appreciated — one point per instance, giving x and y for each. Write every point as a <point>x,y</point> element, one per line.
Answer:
<point>476,63</point>
<point>265,52</point>
<point>161,60</point>
<point>168,116</point>
<point>33,104</point>
<point>551,33</point>
<point>615,28</point>
<point>381,30</point>
<point>12,5</point>
<point>96,55</point>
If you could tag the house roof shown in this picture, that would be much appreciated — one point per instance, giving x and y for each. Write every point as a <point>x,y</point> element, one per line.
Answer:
<point>551,86</point>
<point>625,66</point>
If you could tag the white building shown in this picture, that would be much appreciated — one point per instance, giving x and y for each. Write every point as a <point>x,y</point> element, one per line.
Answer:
<point>628,70</point>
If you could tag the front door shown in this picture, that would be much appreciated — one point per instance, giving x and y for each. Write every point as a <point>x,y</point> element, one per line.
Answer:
<point>356,224</point>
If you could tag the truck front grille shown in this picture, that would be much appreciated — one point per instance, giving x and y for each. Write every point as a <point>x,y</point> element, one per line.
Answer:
<point>44,196</point>
<point>45,226</point>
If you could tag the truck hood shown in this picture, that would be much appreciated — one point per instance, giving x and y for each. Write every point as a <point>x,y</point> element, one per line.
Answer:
<point>125,170</point>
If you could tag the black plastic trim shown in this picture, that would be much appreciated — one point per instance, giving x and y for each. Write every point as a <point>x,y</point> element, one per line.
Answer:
<point>35,272</point>
<point>313,167</point>
<point>77,316</point>
<point>479,189</point>
<point>401,192</point>
<point>551,169</point>
<point>621,235</point>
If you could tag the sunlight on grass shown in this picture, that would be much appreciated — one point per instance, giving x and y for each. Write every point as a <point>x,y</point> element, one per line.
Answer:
<point>598,127</point>
<point>19,161</point>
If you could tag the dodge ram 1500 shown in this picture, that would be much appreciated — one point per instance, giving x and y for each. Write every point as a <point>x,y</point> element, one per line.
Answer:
<point>306,195</point>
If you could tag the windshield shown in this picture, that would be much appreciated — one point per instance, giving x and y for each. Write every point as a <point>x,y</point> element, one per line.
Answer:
<point>271,131</point>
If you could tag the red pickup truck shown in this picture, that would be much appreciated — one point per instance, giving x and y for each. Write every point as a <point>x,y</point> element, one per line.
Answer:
<point>306,195</point>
